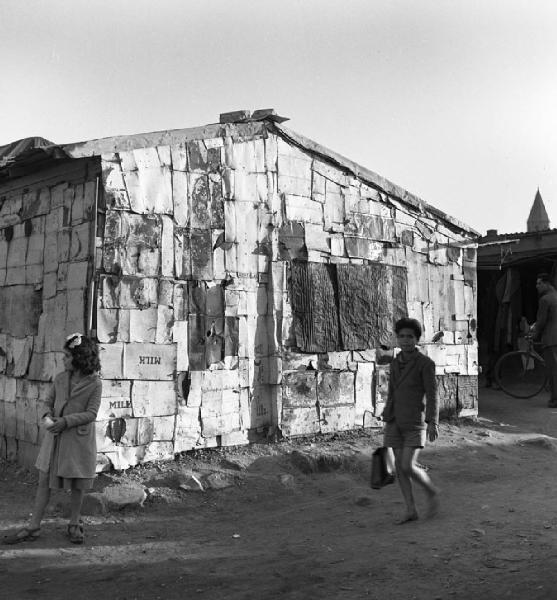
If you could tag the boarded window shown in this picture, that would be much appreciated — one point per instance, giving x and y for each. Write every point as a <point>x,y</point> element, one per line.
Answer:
<point>315,304</point>
<point>346,307</point>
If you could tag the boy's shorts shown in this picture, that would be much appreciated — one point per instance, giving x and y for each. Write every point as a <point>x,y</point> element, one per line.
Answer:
<point>395,437</point>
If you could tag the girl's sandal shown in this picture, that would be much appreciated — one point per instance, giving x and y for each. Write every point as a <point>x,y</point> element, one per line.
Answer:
<point>23,535</point>
<point>75,533</point>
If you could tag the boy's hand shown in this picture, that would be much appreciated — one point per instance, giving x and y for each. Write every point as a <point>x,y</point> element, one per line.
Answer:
<point>432,431</point>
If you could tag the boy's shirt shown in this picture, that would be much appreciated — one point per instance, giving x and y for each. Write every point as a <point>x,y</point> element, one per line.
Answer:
<point>409,382</point>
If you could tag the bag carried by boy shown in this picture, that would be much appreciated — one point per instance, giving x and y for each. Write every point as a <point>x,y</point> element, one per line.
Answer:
<point>381,472</point>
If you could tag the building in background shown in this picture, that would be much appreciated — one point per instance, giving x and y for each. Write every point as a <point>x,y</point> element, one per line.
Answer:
<point>508,264</point>
<point>238,276</point>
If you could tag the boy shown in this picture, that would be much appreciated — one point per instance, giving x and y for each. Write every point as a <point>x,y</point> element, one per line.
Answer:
<point>407,420</point>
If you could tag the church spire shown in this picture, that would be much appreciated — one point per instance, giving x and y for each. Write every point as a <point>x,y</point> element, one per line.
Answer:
<point>538,219</point>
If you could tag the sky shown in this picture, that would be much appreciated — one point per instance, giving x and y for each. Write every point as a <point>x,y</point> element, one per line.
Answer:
<point>455,101</point>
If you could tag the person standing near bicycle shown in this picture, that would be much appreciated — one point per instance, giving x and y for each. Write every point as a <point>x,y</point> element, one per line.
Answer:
<point>544,330</point>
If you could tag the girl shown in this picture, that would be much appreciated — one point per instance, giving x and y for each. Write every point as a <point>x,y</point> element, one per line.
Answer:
<point>67,456</point>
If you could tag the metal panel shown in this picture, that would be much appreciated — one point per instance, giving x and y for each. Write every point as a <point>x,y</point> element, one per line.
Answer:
<point>314,305</point>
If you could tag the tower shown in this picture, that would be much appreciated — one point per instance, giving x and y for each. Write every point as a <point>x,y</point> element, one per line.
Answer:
<point>537,219</point>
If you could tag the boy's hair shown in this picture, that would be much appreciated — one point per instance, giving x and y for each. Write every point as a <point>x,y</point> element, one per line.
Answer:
<point>545,277</point>
<point>408,323</point>
<point>85,353</point>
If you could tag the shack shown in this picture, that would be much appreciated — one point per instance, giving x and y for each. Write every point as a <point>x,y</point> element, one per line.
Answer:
<point>508,264</point>
<point>239,278</point>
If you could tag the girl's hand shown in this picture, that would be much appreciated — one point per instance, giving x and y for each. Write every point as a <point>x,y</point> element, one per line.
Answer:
<point>59,425</point>
<point>432,431</point>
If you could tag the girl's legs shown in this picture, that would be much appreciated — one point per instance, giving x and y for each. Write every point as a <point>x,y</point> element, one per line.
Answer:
<point>42,498</point>
<point>408,471</point>
<point>75,506</point>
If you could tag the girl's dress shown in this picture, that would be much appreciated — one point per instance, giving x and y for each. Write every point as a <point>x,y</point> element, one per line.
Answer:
<point>70,456</point>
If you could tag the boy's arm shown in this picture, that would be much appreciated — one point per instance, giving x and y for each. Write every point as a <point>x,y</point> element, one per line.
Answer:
<point>430,386</point>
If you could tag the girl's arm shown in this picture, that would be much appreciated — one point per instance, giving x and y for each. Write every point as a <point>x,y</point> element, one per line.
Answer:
<point>91,410</point>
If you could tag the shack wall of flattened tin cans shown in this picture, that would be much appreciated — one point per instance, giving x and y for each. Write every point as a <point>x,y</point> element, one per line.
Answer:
<point>46,236</point>
<point>242,286</point>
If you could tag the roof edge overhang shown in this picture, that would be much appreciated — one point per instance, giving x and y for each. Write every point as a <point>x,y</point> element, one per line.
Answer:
<point>247,130</point>
<point>372,178</point>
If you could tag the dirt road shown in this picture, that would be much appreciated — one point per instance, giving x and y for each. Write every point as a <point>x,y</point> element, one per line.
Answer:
<point>280,533</point>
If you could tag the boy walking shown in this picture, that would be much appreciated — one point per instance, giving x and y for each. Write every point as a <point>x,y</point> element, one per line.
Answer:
<point>408,421</point>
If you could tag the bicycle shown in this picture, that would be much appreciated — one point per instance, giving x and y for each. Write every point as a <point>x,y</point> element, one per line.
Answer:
<point>521,373</point>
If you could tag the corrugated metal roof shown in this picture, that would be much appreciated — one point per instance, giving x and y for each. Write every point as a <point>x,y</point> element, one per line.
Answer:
<point>28,154</point>
<point>10,152</point>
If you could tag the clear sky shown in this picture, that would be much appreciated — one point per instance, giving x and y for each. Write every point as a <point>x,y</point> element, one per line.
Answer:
<point>456,101</point>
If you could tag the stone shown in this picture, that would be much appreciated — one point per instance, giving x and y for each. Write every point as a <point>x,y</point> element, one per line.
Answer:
<point>124,495</point>
<point>94,504</point>
<point>219,480</point>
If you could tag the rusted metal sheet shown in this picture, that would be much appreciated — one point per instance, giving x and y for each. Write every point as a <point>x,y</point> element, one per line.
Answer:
<point>292,241</point>
<point>199,201</point>
<point>214,342</point>
<point>107,325</point>
<point>314,306</point>
<point>217,201</point>
<point>167,247</point>
<point>447,394</point>
<point>247,259</point>
<point>219,255</point>
<point>357,247</point>
<point>371,299</point>
<point>337,418</point>
<point>196,349</point>
<point>467,392</point>
<point>299,421</point>
<point>299,389</point>
<point>20,309</point>
<point>115,191</point>
<point>335,387</point>
<point>180,302</point>
<point>180,197</point>
<point>201,254</point>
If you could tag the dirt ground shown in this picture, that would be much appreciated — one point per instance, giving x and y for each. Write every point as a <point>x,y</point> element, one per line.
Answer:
<point>281,533</point>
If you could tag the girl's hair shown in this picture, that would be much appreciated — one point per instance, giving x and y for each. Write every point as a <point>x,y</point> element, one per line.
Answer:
<point>85,353</point>
<point>407,323</point>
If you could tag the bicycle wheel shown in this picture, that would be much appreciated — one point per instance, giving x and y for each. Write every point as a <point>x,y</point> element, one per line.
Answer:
<point>520,374</point>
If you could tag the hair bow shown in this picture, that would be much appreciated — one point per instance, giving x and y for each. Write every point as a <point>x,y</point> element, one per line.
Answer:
<point>75,340</point>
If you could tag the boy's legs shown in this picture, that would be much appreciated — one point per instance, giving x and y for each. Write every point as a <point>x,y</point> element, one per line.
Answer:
<point>408,471</point>
<point>403,461</point>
